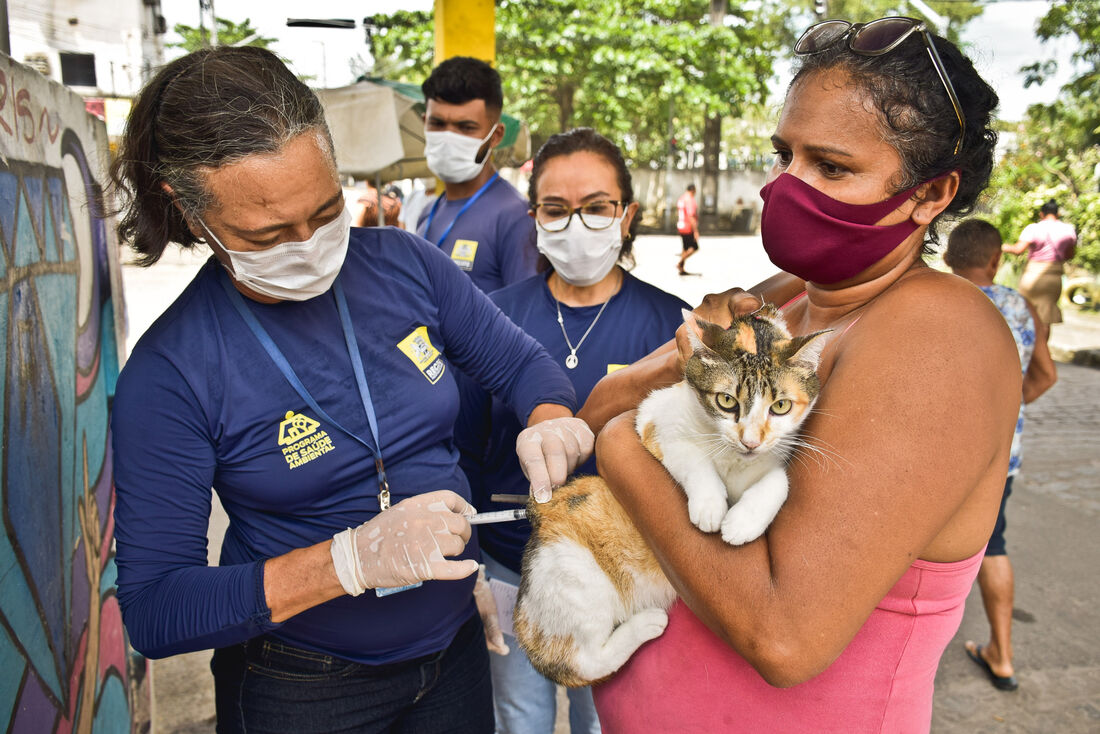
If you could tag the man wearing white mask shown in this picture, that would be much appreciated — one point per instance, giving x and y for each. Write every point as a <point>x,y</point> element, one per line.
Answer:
<point>480,220</point>
<point>592,317</point>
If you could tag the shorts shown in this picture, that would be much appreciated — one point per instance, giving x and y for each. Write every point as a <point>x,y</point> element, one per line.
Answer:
<point>996,545</point>
<point>690,243</point>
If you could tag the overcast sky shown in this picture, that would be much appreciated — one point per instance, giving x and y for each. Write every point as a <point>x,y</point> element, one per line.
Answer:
<point>1000,41</point>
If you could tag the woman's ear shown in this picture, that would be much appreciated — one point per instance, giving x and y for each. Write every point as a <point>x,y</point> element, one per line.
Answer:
<point>197,232</point>
<point>934,196</point>
<point>629,213</point>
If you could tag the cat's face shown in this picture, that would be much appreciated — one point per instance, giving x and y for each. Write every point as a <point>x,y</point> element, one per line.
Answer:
<point>755,382</point>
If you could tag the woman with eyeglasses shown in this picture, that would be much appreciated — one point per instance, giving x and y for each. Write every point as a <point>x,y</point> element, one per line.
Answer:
<point>593,317</point>
<point>835,619</point>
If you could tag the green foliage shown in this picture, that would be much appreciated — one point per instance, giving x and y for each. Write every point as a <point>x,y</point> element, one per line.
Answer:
<point>229,34</point>
<point>620,68</point>
<point>1057,152</point>
<point>574,63</point>
<point>958,14</point>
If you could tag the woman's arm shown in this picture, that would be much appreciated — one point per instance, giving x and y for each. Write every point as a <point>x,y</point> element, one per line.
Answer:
<point>1041,372</point>
<point>1019,248</point>
<point>171,600</point>
<point>914,381</point>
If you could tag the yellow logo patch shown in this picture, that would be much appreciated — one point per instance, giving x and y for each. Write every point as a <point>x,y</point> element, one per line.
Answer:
<point>418,348</point>
<point>615,367</point>
<point>302,440</point>
<point>463,254</point>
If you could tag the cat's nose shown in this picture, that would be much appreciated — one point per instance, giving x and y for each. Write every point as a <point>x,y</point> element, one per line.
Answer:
<point>749,444</point>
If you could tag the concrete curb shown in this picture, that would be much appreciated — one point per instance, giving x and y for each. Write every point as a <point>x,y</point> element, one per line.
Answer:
<point>1084,357</point>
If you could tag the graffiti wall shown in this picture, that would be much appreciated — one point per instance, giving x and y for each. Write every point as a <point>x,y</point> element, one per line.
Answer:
<point>64,663</point>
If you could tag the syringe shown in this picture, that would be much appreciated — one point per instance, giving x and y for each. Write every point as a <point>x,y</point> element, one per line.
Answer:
<point>482,518</point>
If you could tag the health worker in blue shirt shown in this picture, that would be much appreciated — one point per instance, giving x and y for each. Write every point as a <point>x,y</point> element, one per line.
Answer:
<point>306,375</point>
<point>480,221</point>
<point>593,317</point>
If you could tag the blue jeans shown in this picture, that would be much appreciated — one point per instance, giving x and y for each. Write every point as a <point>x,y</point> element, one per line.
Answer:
<point>265,685</point>
<point>524,700</point>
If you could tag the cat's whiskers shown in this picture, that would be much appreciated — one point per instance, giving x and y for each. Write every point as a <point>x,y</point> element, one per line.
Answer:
<point>800,449</point>
<point>715,444</point>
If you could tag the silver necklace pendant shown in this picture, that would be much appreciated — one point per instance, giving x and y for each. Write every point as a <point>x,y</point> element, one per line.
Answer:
<point>571,361</point>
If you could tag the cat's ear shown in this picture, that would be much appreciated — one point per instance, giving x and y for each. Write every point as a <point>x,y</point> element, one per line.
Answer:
<point>696,328</point>
<point>807,349</point>
<point>769,312</point>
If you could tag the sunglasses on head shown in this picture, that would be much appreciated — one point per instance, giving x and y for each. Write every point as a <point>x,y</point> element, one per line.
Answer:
<point>875,39</point>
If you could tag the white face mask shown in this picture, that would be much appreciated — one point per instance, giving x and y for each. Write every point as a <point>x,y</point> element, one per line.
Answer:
<point>292,271</point>
<point>579,255</point>
<point>452,156</point>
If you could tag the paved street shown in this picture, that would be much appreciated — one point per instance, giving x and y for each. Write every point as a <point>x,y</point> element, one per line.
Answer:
<point>1051,526</point>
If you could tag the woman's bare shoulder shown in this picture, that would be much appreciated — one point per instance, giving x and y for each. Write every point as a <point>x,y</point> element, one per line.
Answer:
<point>941,301</point>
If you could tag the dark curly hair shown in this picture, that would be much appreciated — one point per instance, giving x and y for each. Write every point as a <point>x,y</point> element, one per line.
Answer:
<point>585,139</point>
<point>204,110</point>
<point>917,117</point>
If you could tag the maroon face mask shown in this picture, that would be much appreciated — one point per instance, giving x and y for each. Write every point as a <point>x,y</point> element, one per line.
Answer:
<point>823,240</point>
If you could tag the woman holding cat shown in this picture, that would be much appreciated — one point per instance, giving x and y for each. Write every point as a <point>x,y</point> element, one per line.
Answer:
<point>593,317</point>
<point>836,618</point>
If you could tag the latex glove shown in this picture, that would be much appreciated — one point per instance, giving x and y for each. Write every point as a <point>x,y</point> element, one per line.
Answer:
<point>408,543</point>
<point>487,608</point>
<point>549,452</point>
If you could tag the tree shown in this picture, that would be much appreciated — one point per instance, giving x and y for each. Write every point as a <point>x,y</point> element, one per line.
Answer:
<point>957,14</point>
<point>229,34</point>
<point>1057,150</point>
<point>574,63</point>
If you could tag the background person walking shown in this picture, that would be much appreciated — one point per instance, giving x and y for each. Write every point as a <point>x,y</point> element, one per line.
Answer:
<point>687,224</point>
<point>974,252</point>
<point>1049,243</point>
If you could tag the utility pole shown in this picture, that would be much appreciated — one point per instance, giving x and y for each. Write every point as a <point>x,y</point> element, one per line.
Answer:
<point>669,162</point>
<point>712,143</point>
<point>5,36</point>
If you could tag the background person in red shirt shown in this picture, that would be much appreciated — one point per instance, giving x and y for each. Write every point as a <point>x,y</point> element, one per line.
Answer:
<point>687,224</point>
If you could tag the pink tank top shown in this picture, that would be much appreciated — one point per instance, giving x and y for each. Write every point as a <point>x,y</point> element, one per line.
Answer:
<point>688,680</point>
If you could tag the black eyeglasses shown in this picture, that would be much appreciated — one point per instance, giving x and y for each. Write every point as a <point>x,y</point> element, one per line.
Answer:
<point>875,39</point>
<point>595,215</point>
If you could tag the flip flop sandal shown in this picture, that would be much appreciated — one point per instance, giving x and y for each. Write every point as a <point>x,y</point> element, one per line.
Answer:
<point>1000,682</point>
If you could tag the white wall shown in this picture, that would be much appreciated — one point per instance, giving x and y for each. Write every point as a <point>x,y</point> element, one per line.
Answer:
<point>118,32</point>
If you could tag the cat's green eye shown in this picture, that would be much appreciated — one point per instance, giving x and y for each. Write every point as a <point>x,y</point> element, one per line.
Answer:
<point>781,407</point>
<point>726,401</point>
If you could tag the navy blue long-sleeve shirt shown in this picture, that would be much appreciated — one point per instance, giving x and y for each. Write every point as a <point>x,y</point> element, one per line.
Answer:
<point>200,405</point>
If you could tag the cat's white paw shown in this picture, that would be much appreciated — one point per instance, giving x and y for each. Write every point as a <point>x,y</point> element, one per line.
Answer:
<point>743,523</point>
<point>649,624</point>
<point>706,512</point>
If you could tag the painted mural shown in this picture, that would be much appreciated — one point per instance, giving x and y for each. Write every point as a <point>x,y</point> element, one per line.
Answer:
<point>64,662</point>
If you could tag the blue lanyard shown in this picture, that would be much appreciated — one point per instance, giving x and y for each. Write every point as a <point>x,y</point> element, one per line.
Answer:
<point>281,362</point>
<point>467,205</point>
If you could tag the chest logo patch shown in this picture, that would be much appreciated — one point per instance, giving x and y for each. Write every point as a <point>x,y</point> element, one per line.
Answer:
<point>418,348</point>
<point>463,253</point>
<point>302,439</point>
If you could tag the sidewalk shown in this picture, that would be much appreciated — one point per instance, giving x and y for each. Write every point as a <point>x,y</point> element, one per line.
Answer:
<point>1053,516</point>
<point>1077,339</point>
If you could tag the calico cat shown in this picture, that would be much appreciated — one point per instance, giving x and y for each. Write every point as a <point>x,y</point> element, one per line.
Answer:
<point>591,591</point>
